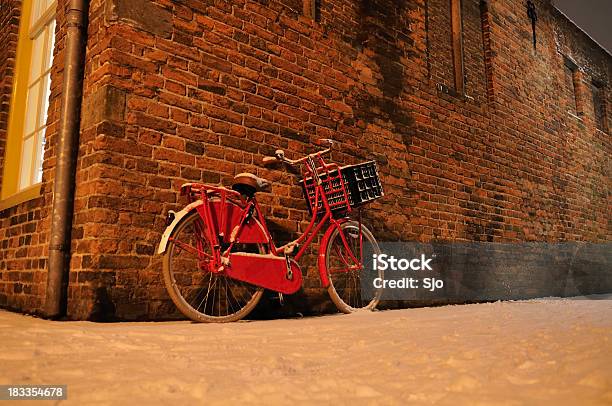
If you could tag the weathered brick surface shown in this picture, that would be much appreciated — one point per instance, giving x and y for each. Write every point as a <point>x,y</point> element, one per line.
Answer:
<point>216,85</point>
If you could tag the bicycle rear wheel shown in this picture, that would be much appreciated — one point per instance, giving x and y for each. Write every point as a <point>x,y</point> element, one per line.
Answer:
<point>202,295</point>
<point>345,284</point>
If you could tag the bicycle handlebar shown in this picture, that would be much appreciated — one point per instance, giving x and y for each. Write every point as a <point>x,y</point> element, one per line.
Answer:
<point>280,154</point>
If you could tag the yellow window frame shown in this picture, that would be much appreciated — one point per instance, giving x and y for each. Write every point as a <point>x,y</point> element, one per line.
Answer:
<point>10,195</point>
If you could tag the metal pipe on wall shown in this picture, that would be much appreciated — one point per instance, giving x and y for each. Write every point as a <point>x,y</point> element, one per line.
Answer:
<point>67,151</point>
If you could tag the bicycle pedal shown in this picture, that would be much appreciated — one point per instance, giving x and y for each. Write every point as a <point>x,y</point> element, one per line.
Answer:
<point>280,298</point>
<point>170,217</point>
<point>292,249</point>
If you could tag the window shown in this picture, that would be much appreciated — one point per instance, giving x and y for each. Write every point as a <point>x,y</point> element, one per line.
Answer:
<point>449,33</point>
<point>311,9</point>
<point>42,30</point>
<point>457,43</point>
<point>599,106</point>
<point>30,98</point>
<point>570,70</point>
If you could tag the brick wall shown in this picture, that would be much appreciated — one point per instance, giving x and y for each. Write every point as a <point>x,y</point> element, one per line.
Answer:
<point>201,90</point>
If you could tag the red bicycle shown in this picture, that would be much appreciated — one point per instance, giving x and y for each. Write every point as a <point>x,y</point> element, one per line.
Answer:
<point>219,255</point>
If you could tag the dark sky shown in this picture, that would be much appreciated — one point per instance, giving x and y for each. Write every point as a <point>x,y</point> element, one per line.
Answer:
<point>593,16</point>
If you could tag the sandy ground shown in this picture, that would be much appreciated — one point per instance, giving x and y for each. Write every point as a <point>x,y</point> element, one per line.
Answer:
<point>548,351</point>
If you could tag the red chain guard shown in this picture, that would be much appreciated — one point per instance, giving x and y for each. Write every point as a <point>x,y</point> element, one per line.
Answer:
<point>266,271</point>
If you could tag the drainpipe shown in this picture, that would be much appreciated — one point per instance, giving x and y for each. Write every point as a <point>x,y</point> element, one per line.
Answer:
<point>67,151</point>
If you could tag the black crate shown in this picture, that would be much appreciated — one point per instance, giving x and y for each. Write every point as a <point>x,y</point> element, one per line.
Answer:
<point>361,182</point>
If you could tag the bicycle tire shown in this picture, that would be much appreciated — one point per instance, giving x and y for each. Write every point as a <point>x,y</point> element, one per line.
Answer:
<point>338,297</point>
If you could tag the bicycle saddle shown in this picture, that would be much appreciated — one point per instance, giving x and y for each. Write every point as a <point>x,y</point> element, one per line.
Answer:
<point>248,183</point>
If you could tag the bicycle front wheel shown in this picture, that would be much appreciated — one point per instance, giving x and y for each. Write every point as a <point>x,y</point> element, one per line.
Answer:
<point>344,276</point>
<point>202,295</point>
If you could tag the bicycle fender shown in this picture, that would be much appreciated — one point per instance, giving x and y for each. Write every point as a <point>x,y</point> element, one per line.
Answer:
<point>252,233</point>
<point>161,248</point>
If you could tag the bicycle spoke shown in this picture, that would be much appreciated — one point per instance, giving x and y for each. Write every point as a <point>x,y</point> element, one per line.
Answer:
<point>207,294</point>
<point>200,292</point>
<point>188,248</point>
<point>357,291</point>
<point>229,301</point>
<point>341,256</point>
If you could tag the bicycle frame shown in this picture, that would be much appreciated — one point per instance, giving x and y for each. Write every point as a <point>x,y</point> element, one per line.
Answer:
<point>314,167</point>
